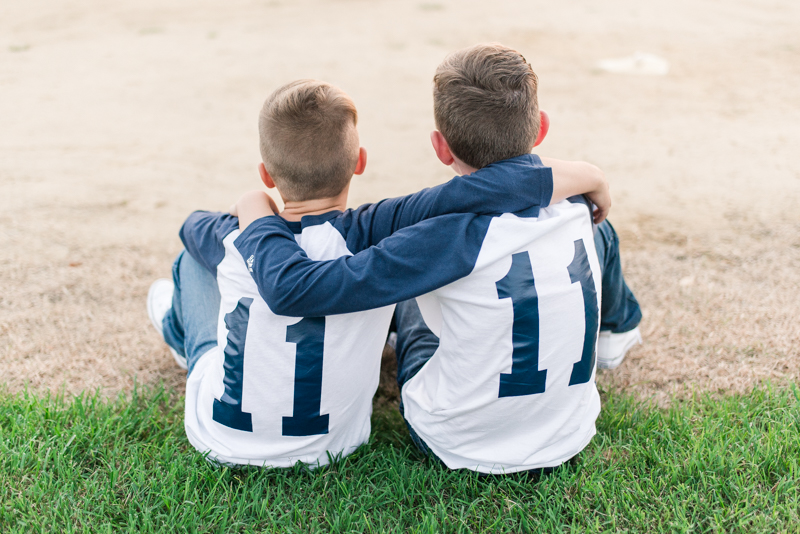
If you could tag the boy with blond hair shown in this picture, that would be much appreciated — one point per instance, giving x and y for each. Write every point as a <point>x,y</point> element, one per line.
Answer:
<point>496,356</point>
<point>271,390</point>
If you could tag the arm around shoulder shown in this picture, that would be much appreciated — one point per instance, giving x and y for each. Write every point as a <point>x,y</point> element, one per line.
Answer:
<point>484,192</point>
<point>396,270</point>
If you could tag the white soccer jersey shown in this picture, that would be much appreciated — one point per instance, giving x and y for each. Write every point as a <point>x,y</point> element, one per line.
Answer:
<point>278,389</point>
<point>281,390</point>
<point>514,331</point>
<point>514,299</point>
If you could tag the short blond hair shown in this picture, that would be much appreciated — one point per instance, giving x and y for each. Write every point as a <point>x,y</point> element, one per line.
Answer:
<point>308,138</point>
<point>485,104</point>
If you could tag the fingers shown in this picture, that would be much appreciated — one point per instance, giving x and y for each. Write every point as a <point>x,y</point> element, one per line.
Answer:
<point>252,206</point>
<point>600,215</point>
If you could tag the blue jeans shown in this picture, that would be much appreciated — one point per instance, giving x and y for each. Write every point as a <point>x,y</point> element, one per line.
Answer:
<point>620,312</point>
<point>190,326</point>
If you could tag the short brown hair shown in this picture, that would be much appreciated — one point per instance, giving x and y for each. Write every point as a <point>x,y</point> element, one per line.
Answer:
<point>309,141</point>
<point>485,105</point>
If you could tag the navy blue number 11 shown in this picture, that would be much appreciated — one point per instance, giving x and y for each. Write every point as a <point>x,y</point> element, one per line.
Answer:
<point>309,336</point>
<point>525,377</point>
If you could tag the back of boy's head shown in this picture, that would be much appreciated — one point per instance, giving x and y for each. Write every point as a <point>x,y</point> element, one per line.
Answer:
<point>309,141</point>
<point>485,104</point>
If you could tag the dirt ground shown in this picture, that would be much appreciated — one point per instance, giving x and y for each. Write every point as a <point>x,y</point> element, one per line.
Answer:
<point>117,119</point>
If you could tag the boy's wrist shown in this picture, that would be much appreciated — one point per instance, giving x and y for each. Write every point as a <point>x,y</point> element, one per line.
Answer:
<point>580,178</point>
<point>601,195</point>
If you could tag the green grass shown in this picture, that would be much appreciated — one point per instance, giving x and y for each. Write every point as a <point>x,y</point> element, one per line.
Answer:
<point>705,465</point>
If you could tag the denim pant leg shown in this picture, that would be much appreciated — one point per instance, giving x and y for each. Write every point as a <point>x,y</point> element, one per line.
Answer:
<point>415,346</point>
<point>620,310</point>
<point>190,326</point>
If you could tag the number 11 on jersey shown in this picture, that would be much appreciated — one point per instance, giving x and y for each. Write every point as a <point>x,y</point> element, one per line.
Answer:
<point>309,337</point>
<point>519,285</point>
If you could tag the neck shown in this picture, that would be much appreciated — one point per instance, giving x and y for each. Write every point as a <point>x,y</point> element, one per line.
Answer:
<point>461,168</point>
<point>295,210</point>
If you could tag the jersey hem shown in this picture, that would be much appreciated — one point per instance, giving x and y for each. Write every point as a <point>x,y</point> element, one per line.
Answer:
<point>265,463</point>
<point>516,469</point>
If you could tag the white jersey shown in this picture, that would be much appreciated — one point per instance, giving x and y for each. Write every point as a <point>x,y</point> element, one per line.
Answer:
<point>514,330</point>
<point>280,390</point>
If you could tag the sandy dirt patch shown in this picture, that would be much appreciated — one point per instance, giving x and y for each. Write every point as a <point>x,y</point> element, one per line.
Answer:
<point>120,118</point>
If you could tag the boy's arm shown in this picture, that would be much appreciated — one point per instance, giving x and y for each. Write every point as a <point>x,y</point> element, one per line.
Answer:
<point>571,178</point>
<point>412,262</point>
<point>498,188</point>
<point>202,235</point>
<point>504,187</point>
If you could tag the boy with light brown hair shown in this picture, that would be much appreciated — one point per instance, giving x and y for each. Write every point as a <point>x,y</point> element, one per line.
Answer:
<point>269,389</point>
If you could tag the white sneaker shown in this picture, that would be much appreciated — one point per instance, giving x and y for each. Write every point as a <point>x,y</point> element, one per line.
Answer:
<point>611,348</point>
<point>159,302</point>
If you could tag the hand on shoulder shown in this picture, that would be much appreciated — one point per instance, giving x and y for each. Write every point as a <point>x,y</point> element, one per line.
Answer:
<point>251,206</point>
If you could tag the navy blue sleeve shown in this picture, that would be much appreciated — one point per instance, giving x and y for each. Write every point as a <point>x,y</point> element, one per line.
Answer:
<point>410,263</point>
<point>202,235</point>
<point>510,186</point>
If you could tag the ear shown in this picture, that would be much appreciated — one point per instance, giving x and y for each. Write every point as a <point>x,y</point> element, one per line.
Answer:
<point>362,161</point>
<point>441,148</point>
<point>544,127</point>
<point>265,177</point>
